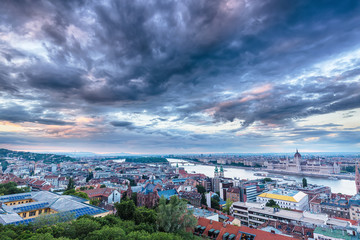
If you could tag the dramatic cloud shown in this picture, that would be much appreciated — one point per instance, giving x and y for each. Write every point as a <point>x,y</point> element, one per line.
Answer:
<point>180,76</point>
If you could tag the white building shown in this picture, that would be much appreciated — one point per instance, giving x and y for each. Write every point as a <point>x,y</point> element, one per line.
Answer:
<point>291,199</point>
<point>255,214</point>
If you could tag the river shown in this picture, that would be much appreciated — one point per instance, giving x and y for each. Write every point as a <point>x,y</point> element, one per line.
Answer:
<point>337,186</point>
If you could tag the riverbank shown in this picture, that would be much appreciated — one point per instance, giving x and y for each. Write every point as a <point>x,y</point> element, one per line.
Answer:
<point>301,174</point>
<point>317,175</point>
<point>345,186</point>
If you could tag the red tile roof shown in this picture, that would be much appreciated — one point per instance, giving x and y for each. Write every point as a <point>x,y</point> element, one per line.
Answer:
<point>353,222</point>
<point>232,229</point>
<point>99,192</point>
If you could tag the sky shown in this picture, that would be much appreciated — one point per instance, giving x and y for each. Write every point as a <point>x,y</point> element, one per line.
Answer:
<point>204,76</point>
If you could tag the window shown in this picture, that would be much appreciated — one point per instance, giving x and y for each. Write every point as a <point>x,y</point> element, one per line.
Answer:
<point>40,211</point>
<point>33,213</point>
<point>24,214</point>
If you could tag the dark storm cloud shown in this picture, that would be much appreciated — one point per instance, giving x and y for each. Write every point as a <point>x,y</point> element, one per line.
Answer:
<point>177,59</point>
<point>16,113</point>
<point>55,78</point>
<point>292,102</point>
<point>124,124</point>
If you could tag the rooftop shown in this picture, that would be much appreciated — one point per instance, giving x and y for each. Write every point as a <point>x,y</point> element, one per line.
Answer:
<point>335,233</point>
<point>44,199</point>
<point>285,195</point>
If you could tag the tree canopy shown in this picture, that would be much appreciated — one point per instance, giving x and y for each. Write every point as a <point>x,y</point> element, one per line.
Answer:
<point>11,188</point>
<point>76,193</point>
<point>174,216</point>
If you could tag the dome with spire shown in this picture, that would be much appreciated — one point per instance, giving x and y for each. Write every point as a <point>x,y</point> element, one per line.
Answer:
<point>297,154</point>
<point>216,169</point>
<point>221,168</point>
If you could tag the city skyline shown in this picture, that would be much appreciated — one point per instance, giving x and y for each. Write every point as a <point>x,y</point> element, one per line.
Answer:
<point>154,77</point>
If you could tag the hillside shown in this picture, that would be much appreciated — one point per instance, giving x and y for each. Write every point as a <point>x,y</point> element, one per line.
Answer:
<point>30,156</point>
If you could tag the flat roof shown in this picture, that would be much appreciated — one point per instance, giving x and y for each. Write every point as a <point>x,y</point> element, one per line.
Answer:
<point>284,195</point>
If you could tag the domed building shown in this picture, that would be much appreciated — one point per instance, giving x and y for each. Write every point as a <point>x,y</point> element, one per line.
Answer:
<point>297,155</point>
<point>299,165</point>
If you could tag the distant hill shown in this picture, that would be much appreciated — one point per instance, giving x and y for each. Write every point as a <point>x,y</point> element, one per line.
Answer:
<point>30,156</point>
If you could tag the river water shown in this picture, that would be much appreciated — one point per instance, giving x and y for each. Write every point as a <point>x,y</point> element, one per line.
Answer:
<point>337,186</point>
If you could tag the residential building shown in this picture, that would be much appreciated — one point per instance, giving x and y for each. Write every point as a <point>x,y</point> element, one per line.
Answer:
<point>233,194</point>
<point>107,195</point>
<point>194,198</point>
<point>287,229</point>
<point>336,206</point>
<point>255,214</point>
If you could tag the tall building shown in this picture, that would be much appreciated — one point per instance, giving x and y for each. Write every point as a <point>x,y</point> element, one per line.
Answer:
<point>177,168</point>
<point>216,180</point>
<point>357,178</point>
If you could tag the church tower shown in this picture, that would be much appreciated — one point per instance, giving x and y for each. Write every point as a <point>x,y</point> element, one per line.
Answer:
<point>216,180</point>
<point>177,168</point>
<point>357,178</point>
<point>221,171</point>
<point>216,172</point>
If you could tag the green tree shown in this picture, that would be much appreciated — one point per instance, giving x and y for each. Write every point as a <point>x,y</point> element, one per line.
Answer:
<point>174,216</point>
<point>215,204</point>
<point>125,210</point>
<point>265,180</point>
<point>165,236</point>
<point>304,182</point>
<point>107,233</point>
<point>103,186</point>
<point>90,176</point>
<point>76,193</point>
<point>272,203</point>
<point>227,207</point>
<point>95,202</point>
<point>201,189</point>
<point>71,184</point>
<point>82,227</point>
<point>138,235</point>
<point>134,198</point>
<point>144,215</point>
<point>203,199</point>
<point>11,188</point>
<point>52,219</point>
